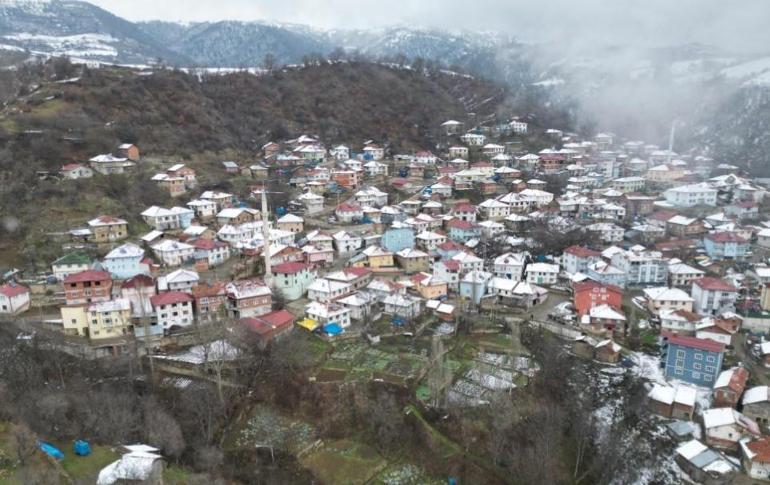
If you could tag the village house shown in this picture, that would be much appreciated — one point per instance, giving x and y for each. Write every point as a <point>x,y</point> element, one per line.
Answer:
<point>756,405</point>
<point>269,327</point>
<point>404,306</point>
<point>209,253</point>
<point>510,266</point>
<point>729,387</point>
<point>313,203</point>
<point>713,295</point>
<point>125,262</point>
<point>542,273</point>
<point>106,229</point>
<point>110,165</point>
<point>347,243</point>
<point>429,287</point>
<point>680,226</point>
<point>99,320</point>
<point>662,297</point>
<point>413,260</point>
<point>173,309</point>
<point>363,306</point>
<point>473,139</point>
<point>293,279</point>
<point>726,245</point>
<point>203,209</point>
<point>606,232</point>
<point>682,275</point>
<point>174,253</point>
<point>714,329</point>
<point>129,151</point>
<point>704,464</point>
<point>325,290</point>
<point>175,186</point>
<point>223,200</point>
<point>588,294</point>
<point>605,318</point>
<point>87,287</point>
<point>73,171</point>
<point>463,231</point>
<point>180,170</point>
<point>691,359</point>
<point>248,298</point>
<point>448,271</point>
<point>755,457</point>
<point>138,291</point>
<point>168,219</point>
<point>14,299</point>
<point>681,322</point>
<point>494,210</point>
<point>179,280</point>
<point>291,223</point>
<point>691,195</point>
<point>349,213</point>
<point>672,402</point>
<point>576,259</point>
<point>347,179</point>
<point>381,288</point>
<point>724,428</point>
<point>210,300</point>
<point>327,313</point>
<point>68,264</point>
<point>641,267</point>
<point>628,184</point>
<point>238,215</point>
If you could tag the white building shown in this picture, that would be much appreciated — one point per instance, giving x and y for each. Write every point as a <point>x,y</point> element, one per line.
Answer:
<point>173,253</point>
<point>713,295</point>
<point>691,195</point>
<point>14,299</point>
<point>642,267</point>
<point>325,313</point>
<point>542,273</point>
<point>179,280</point>
<point>346,243</point>
<point>510,266</point>
<point>173,309</point>
<point>494,210</point>
<point>325,290</point>
<point>473,139</point>
<point>607,231</point>
<point>662,297</point>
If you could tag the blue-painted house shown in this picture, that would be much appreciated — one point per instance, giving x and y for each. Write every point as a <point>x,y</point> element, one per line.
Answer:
<point>463,231</point>
<point>694,360</point>
<point>125,262</point>
<point>725,245</point>
<point>396,239</point>
<point>474,285</point>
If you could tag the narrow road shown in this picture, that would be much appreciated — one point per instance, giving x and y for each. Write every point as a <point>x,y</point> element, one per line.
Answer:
<point>759,374</point>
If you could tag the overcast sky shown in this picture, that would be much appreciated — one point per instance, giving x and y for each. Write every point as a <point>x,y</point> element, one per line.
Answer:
<point>737,24</point>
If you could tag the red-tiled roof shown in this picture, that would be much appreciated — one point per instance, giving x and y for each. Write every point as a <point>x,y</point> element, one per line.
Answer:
<point>344,207</point>
<point>207,244</point>
<point>738,379</point>
<point>761,449</point>
<point>464,207</point>
<point>460,224</point>
<point>582,252</point>
<point>170,298</point>
<point>140,280</point>
<point>70,166</point>
<point>359,272</point>
<point>89,275</point>
<point>449,246</point>
<point>590,285</point>
<point>662,215</point>
<point>723,237</point>
<point>696,343</point>
<point>452,264</point>
<point>13,290</point>
<point>269,322</point>
<point>714,284</point>
<point>214,288</point>
<point>289,268</point>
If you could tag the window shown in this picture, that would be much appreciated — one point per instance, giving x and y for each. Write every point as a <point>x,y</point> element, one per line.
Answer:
<point>710,358</point>
<point>710,368</point>
<point>679,371</point>
<point>680,353</point>
<point>696,375</point>
<point>698,356</point>
<point>697,366</point>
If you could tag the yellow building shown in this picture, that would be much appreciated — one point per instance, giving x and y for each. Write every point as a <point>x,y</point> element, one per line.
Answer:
<point>75,321</point>
<point>103,320</point>
<point>108,229</point>
<point>430,287</point>
<point>376,257</point>
<point>764,300</point>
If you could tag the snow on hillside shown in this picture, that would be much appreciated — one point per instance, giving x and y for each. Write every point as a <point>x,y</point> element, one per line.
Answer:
<point>80,45</point>
<point>747,69</point>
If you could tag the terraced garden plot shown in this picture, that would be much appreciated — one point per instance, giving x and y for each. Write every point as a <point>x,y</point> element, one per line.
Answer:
<point>344,462</point>
<point>266,427</point>
<point>405,474</point>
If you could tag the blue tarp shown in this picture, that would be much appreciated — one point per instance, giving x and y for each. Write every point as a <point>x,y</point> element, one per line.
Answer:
<point>332,329</point>
<point>50,450</point>
<point>81,448</point>
<point>398,321</point>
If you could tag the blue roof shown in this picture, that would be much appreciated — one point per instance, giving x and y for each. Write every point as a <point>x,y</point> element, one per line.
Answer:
<point>332,329</point>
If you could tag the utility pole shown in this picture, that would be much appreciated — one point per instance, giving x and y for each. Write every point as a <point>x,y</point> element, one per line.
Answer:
<point>266,238</point>
<point>671,142</point>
